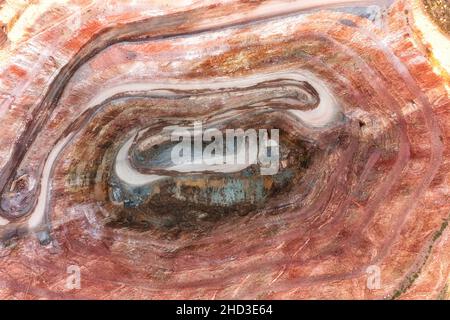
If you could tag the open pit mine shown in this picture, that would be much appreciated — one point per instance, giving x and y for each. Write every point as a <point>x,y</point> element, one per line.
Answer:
<point>340,111</point>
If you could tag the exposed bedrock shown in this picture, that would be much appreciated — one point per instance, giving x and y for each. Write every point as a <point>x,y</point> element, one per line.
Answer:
<point>358,95</point>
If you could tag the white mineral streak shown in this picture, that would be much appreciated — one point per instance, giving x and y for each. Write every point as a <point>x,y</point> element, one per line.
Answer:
<point>325,113</point>
<point>328,109</point>
<point>37,216</point>
<point>3,221</point>
<point>431,33</point>
<point>126,173</point>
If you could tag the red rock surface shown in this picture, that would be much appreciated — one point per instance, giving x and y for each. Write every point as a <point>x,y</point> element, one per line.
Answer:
<point>77,78</point>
